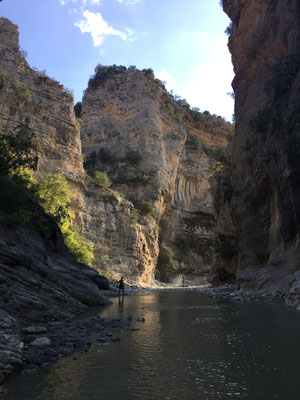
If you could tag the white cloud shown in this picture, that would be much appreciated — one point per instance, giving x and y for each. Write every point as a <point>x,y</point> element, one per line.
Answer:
<point>129,2</point>
<point>98,28</point>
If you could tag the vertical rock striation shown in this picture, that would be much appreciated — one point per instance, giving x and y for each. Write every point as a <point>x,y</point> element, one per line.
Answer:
<point>156,151</point>
<point>265,50</point>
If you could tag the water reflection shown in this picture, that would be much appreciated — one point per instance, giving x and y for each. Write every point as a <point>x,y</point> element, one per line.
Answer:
<point>189,347</point>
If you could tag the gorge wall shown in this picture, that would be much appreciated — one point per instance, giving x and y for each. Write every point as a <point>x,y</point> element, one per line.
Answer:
<point>101,213</point>
<point>265,49</point>
<point>160,155</point>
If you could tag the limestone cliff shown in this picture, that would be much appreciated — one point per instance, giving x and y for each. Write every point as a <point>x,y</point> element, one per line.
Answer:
<point>28,93</point>
<point>160,154</point>
<point>265,49</point>
<point>103,216</point>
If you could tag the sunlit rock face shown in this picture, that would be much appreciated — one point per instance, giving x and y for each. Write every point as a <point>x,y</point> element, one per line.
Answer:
<point>122,247</point>
<point>25,93</point>
<point>149,146</point>
<point>265,50</point>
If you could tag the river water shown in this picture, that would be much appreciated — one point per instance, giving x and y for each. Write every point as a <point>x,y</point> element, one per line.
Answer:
<point>190,347</point>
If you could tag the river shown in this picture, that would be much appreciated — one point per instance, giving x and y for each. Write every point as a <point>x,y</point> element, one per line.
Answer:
<point>190,346</point>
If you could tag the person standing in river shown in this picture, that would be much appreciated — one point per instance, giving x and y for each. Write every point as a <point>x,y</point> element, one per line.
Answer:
<point>121,286</point>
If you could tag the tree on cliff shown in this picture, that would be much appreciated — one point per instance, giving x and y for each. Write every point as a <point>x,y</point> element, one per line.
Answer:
<point>16,150</point>
<point>54,195</point>
<point>17,157</point>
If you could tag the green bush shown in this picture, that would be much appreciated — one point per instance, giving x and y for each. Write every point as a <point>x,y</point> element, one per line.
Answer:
<point>228,30</point>
<point>144,207</point>
<point>149,73</point>
<point>201,219</point>
<point>217,153</point>
<point>106,156</point>
<point>134,215</point>
<point>217,167</point>
<point>166,260</point>
<point>83,251</point>
<point>103,72</point>
<point>195,142</point>
<point>16,154</point>
<point>100,178</point>
<point>16,149</point>
<point>23,93</point>
<point>201,245</point>
<point>77,109</point>
<point>133,157</point>
<point>4,78</point>
<point>133,177</point>
<point>54,195</point>
<point>231,134</point>
<point>226,247</point>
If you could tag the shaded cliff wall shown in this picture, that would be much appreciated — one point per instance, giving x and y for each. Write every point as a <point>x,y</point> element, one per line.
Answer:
<point>156,151</point>
<point>265,50</point>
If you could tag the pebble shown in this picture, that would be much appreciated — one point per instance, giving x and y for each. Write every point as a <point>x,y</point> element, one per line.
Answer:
<point>41,342</point>
<point>34,329</point>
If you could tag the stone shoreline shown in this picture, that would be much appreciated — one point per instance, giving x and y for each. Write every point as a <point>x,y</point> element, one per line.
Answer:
<point>49,343</point>
<point>39,344</point>
<point>231,292</point>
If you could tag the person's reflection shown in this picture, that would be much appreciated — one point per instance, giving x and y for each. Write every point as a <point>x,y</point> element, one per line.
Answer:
<point>121,305</point>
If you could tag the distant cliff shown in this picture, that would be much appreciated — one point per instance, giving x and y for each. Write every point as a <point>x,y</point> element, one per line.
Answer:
<point>265,49</point>
<point>160,154</point>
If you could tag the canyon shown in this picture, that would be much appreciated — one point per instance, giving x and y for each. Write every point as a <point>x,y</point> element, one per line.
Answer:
<point>185,202</point>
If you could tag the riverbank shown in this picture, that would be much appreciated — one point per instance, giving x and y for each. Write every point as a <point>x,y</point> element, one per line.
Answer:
<point>232,293</point>
<point>27,347</point>
<point>47,344</point>
<point>229,292</point>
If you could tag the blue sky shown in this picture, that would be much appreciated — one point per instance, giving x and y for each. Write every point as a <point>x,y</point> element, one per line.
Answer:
<point>182,41</point>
